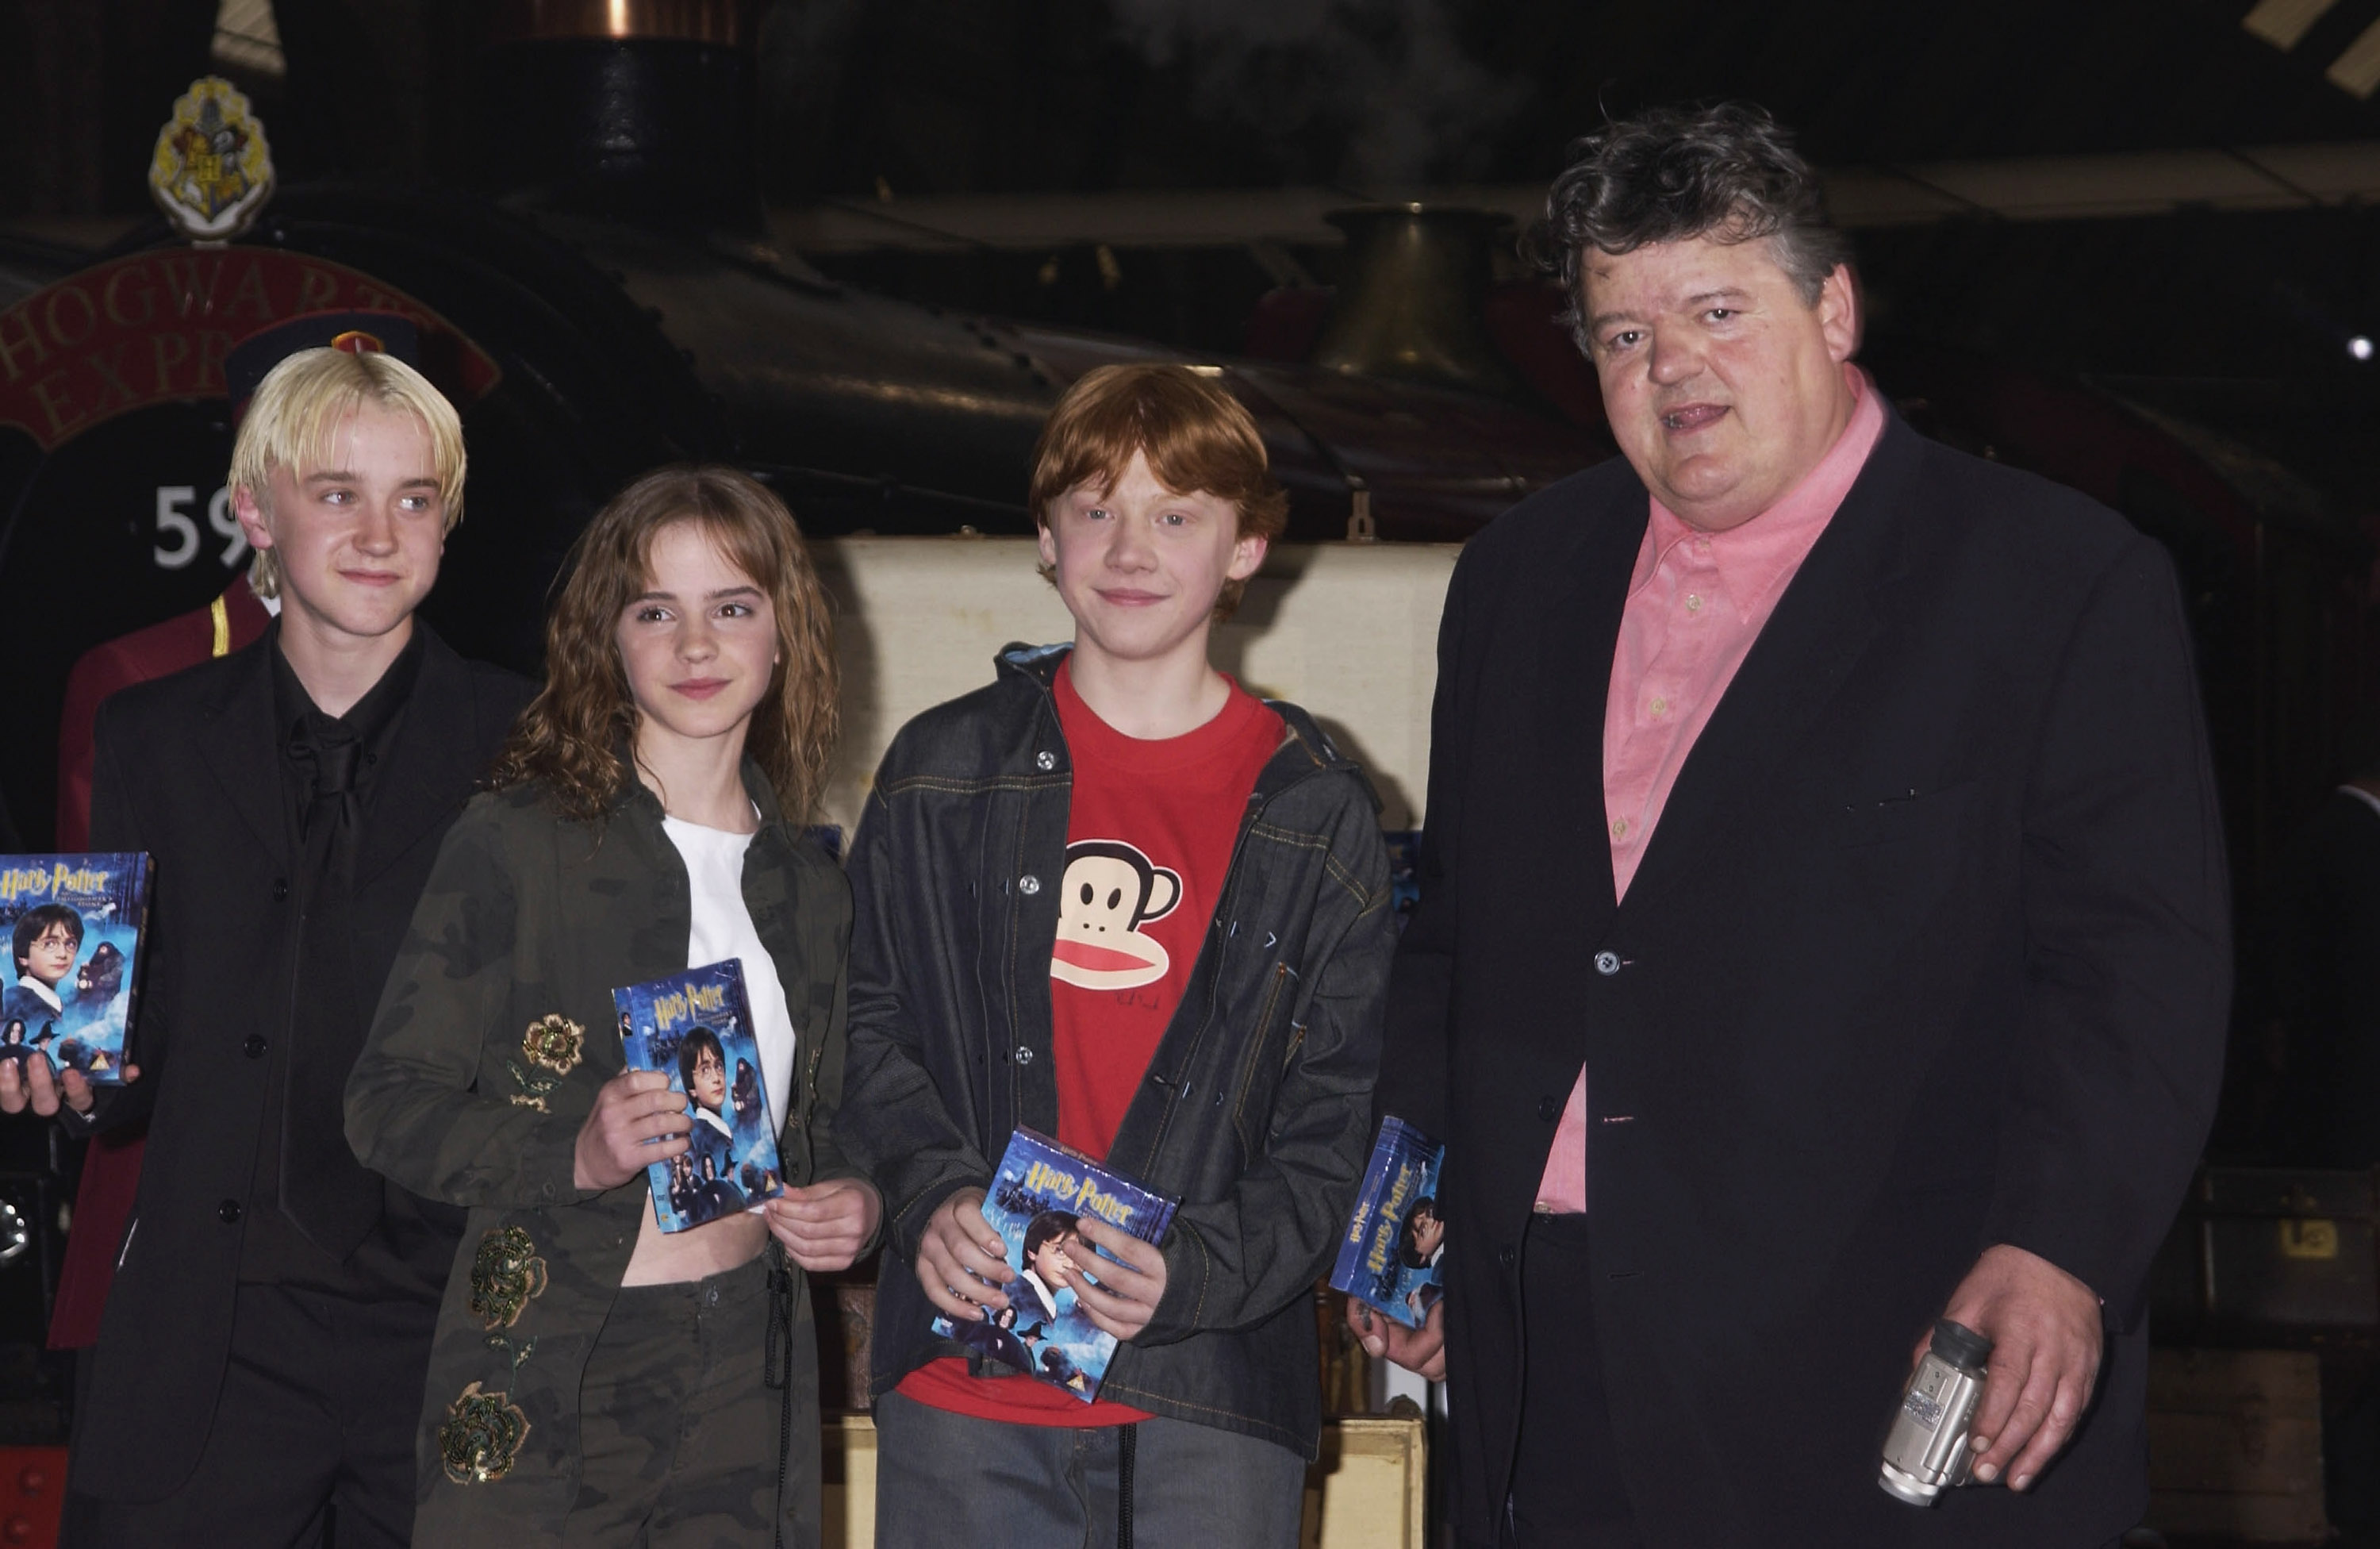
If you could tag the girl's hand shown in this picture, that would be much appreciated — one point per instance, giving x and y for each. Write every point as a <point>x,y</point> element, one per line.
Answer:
<point>826,1225</point>
<point>636,1120</point>
<point>1126,1295</point>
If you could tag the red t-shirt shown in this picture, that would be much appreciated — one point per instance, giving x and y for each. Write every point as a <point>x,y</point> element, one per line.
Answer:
<point>1150,831</point>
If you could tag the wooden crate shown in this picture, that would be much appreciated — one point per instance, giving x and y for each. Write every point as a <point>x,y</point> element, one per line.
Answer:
<point>2235,1445</point>
<point>1366,1492</point>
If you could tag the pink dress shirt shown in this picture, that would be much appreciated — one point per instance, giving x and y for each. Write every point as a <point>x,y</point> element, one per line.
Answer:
<point>1695,604</point>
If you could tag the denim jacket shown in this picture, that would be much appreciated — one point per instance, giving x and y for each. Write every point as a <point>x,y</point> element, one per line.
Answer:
<point>1257,1108</point>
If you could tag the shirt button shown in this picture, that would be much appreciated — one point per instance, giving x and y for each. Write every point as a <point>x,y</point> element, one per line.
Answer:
<point>280,890</point>
<point>1044,760</point>
<point>1549,1108</point>
<point>1606,963</point>
<point>1693,602</point>
<point>255,1046</point>
<point>1660,705</point>
<point>1702,545</point>
<point>1620,828</point>
<point>228,1213</point>
<point>1028,885</point>
<point>1508,1255</point>
<point>1022,1056</point>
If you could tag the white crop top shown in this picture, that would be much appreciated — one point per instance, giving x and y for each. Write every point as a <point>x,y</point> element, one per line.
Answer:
<point>723,929</point>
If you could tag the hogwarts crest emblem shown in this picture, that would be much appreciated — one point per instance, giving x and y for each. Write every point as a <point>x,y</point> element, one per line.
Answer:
<point>212,171</point>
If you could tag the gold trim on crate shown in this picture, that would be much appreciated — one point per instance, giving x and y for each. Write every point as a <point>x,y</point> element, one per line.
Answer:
<point>702,21</point>
<point>480,1438</point>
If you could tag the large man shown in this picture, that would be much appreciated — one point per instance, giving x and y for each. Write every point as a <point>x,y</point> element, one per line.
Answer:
<point>1823,923</point>
<point>262,1353</point>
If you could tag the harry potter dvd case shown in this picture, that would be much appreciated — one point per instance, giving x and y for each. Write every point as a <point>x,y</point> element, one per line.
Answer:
<point>1389,1254</point>
<point>74,925</point>
<point>695,1028</point>
<point>1037,1202</point>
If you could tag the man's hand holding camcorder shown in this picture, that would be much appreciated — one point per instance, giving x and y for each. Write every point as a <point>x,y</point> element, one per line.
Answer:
<point>2044,1326</point>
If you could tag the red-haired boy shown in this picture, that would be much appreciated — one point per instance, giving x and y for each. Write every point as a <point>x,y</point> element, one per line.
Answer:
<point>1115,897</point>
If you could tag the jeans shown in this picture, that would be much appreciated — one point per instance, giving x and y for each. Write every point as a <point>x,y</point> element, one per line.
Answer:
<point>944,1479</point>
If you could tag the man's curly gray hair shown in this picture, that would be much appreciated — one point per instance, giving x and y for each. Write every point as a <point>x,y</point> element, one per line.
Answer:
<point>1728,173</point>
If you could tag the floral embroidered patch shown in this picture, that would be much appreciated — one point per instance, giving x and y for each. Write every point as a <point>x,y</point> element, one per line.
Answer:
<point>506,1275</point>
<point>554,1041</point>
<point>480,1438</point>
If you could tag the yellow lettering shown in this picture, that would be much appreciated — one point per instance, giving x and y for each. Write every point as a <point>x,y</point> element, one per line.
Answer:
<point>146,294</point>
<point>317,288</point>
<point>192,298</point>
<point>56,408</point>
<point>171,351</point>
<point>213,345</point>
<point>109,368</point>
<point>249,293</point>
<point>59,298</point>
<point>30,339</point>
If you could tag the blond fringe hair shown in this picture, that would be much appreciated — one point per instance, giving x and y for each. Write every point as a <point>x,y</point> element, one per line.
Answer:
<point>572,739</point>
<point>297,409</point>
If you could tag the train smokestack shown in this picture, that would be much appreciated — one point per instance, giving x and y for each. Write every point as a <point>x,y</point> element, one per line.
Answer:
<point>1409,304</point>
<point>633,110</point>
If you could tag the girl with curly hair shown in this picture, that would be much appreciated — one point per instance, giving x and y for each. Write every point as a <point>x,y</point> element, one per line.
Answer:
<point>594,1379</point>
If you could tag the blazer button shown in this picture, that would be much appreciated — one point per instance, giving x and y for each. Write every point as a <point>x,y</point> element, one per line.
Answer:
<point>254,1047</point>
<point>1508,1255</point>
<point>1028,885</point>
<point>280,890</point>
<point>1022,1056</point>
<point>1549,1108</point>
<point>228,1213</point>
<point>1606,962</point>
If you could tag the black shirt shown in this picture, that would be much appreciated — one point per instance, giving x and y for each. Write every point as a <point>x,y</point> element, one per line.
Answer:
<point>410,1250</point>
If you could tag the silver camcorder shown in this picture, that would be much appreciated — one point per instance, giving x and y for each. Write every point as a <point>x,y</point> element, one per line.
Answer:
<point>1926,1449</point>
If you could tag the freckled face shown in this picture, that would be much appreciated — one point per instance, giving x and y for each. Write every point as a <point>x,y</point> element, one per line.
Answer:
<point>1140,565</point>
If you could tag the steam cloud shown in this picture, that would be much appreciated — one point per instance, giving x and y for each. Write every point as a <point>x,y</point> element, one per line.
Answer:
<point>1389,76</point>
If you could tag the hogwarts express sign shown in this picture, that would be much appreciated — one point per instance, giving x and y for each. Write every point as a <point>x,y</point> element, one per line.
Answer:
<point>156,326</point>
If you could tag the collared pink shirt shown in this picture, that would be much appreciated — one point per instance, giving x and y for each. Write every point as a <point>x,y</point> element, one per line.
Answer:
<point>1695,604</point>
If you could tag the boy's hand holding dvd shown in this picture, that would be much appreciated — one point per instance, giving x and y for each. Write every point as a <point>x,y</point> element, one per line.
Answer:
<point>74,923</point>
<point>1035,1291</point>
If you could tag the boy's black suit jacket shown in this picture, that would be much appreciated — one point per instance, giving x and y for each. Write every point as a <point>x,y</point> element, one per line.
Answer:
<point>1928,951</point>
<point>189,768</point>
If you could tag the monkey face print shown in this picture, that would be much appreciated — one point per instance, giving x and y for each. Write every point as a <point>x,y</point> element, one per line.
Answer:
<point>1110,891</point>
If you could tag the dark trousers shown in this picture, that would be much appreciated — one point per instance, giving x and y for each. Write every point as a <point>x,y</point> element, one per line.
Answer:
<point>315,1423</point>
<point>944,1479</point>
<point>1568,1488</point>
<point>678,1431</point>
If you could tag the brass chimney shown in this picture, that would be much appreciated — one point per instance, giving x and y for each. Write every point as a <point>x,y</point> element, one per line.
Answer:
<point>1410,301</point>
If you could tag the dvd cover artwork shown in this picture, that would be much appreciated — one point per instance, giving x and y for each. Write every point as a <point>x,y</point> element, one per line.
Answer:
<point>74,924</point>
<point>695,1028</point>
<point>1036,1201</point>
<point>1390,1253</point>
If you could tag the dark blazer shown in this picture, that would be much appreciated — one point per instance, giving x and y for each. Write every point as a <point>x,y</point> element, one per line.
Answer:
<point>1929,952</point>
<point>187,767</point>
